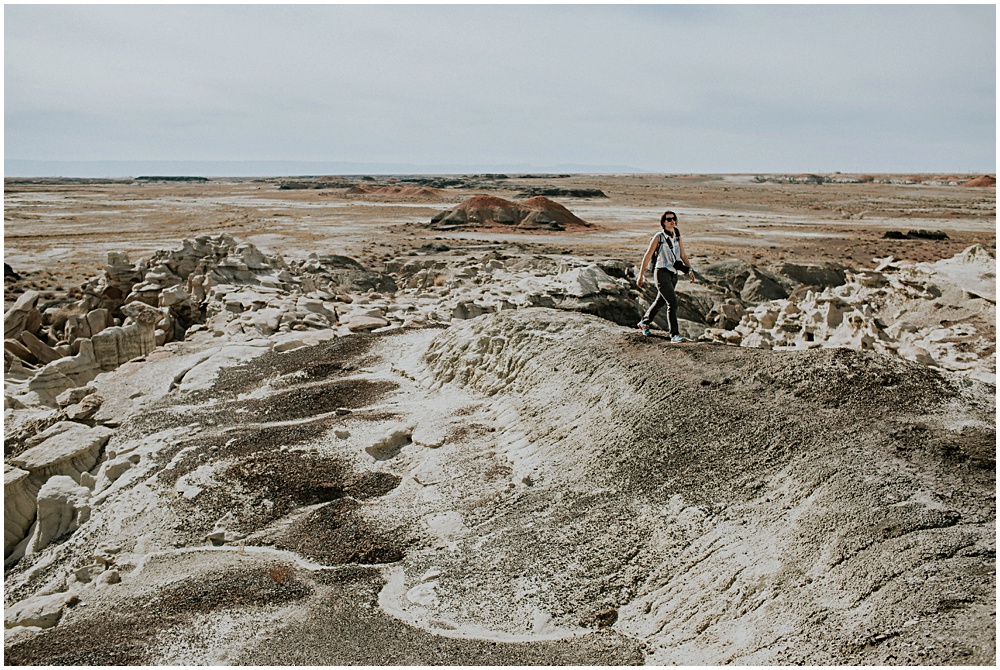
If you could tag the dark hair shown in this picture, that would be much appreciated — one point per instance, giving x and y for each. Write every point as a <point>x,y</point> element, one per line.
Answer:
<point>663,220</point>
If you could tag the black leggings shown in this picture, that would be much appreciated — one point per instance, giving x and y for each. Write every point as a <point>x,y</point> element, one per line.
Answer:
<point>665,283</point>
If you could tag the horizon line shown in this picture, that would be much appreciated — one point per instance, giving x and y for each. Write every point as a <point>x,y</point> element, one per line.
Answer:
<point>48,169</point>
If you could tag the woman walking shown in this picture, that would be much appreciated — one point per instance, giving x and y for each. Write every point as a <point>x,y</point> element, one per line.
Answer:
<point>671,260</point>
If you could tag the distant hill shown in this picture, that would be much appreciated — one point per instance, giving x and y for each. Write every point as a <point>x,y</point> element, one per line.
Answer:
<point>14,167</point>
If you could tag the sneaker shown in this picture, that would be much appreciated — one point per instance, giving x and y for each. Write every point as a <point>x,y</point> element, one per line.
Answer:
<point>644,328</point>
<point>679,338</point>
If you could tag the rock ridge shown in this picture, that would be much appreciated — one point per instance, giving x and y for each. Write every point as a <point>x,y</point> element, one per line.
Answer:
<point>482,440</point>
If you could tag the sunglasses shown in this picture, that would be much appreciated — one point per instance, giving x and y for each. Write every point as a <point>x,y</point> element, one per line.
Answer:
<point>669,218</point>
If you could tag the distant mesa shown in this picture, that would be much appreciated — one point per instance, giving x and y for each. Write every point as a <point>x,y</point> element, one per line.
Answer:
<point>985,180</point>
<point>487,211</point>
<point>437,182</point>
<point>321,183</point>
<point>404,191</point>
<point>171,178</point>
<point>915,235</point>
<point>394,185</point>
<point>908,179</point>
<point>562,192</point>
<point>811,178</point>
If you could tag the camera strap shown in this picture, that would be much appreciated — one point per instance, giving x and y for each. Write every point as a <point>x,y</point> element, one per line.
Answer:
<point>671,255</point>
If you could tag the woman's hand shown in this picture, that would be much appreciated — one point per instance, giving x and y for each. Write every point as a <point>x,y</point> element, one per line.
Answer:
<point>639,280</point>
<point>691,275</point>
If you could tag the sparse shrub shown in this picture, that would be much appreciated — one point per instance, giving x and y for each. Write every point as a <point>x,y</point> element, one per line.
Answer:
<point>278,573</point>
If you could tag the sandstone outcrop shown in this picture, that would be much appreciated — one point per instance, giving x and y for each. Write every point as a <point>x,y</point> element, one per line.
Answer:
<point>62,506</point>
<point>117,345</point>
<point>939,314</point>
<point>210,283</point>
<point>23,315</point>
<point>66,373</point>
<point>39,612</point>
<point>18,507</point>
<point>752,284</point>
<point>64,451</point>
<point>66,448</point>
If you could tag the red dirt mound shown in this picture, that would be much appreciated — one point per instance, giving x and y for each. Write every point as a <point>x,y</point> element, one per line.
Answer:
<point>560,214</point>
<point>487,211</point>
<point>478,202</point>
<point>985,180</point>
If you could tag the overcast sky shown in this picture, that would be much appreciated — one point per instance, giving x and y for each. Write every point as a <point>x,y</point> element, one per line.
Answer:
<point>662,88</point>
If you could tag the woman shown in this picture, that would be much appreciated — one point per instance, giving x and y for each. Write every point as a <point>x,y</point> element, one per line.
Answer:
<point>671,259</point>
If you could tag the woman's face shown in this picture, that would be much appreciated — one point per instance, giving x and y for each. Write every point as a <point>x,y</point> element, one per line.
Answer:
<point>669,221</point>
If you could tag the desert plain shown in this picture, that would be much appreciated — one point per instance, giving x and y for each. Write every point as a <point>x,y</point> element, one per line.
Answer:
<point>70,226</point>
<point>311,420</point>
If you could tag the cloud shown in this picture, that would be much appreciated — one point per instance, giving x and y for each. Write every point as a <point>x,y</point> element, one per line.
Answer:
<point>670,88</point>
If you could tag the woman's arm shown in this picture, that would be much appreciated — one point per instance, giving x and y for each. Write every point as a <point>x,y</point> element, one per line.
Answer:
<point>645,261</point>
<point>684,259</point>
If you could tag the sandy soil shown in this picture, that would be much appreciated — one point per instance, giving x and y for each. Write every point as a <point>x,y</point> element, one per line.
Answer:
<point>58,233</point>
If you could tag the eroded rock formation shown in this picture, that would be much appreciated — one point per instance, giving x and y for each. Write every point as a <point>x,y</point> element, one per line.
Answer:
<point>941,314</point>
<point>542,479</point>
<point>489,211</point>
<point>485,458</point>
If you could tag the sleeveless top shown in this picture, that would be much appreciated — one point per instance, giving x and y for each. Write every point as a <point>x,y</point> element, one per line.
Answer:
<point>668,253</point>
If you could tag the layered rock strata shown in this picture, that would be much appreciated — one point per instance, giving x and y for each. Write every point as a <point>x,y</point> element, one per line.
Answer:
<point>18,507</point>
<point>65,452</point>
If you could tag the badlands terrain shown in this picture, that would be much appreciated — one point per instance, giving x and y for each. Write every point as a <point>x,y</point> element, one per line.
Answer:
<point>408,420</point>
